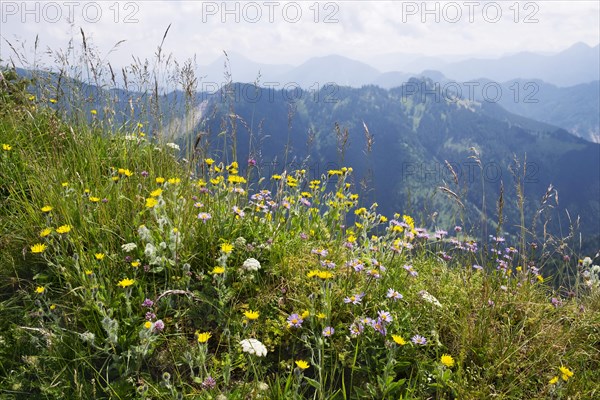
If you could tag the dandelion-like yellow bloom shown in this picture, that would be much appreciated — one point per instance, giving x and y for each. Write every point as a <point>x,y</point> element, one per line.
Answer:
<point>123,171</point>
<point>203,337</point>
<point>447,360</point>
<point>65,184</point>
<point>99,256</point>
<point>251,315</point>
<point>53,101</point>
<point>88,272</point>
<point>147,324</point>
<point>302,364</point>
<point>160,180</point>
<point>209,161</point>
<point>553,381</point>
<point>135,264</point>
<point>63,229</point>
<point>540,279</point>
<point>40,289</point>
<point>218,270</point>
<point>6,147</point>
<point>156,193</point>
<point>399,340</point>
<point>236,179</point>
<point>305,314</point>
<point>226,248</point>
<point>321,316</point>
<point>151,202</point>
<point>93,112</point>
<point>125,282</point>
<point>217,180</point>
<point>276,177</point>
<point>566,373</point>
<point>38,248</point>
<point>94,199</point>
<point>45,232</point>
<point>46,209</point>
<point>174,181</point>
<point>325,274</point>
<point>312,273</point>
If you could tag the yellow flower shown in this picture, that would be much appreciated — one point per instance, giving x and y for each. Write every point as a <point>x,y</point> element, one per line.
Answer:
<point>6,147</point>
<point>135,264</point>
<point>217,180</point>
<point>156,193</point>
<point>53,101</point>
<point>553,381</point>
<point>88,272</point>
<point>53,307</point>
<point>93,112</point>
<point>305,314</point>
<point>209,161</point>
<point>312,273</point>
<point>302,364</point>
<point>519,268</point>
<point>251,315</point>
<point>123,171</point>
<point>63,229</point>
<point>236,179</point>
<point>115,178</point>
<point>99,256</point>
<point>45,232</point>
<point>38,248</point>
<point>325,274</point>
<point>203,337</point>
<point>218,270</point>
<point>46,209</point>
<point>321,315</point>
<point>125,282</point>
<point>174,181</point>
<point>566,373</point>
<point>147,324</point>
<point>226,248</point>
<point>65,184</point>
<point>399,340</point>
<point>151,202</point>
<point>40,289</point>
<point>447,360</point>
<point>276,177</point>
<point>94,199</point>
<point>160,180</point>
<point>540,278</point>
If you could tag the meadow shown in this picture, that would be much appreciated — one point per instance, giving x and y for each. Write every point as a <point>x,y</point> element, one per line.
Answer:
<point>129,271</point>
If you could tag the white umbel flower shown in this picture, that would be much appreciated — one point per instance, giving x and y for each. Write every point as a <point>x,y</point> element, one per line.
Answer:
<point>251,264</point>
<point>253,346</point>
<point>127,247</point>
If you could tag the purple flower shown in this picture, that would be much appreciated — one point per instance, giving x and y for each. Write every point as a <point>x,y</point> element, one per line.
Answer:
<point>418,339</point>
<point>392,294</point>
<point>356,329</point>
<point>439,234</point>
<point>327,263</point>
<point>159,326</point>
<point>294,321</point>
<point>354,299</point>
<point>204,216</point>
<point>238,211</point>
<point>150,316</point>
<point>320,252</point>
<point>385,317</point>
<point>144,173</point>
<point>477,267</point>
<point>251,162</point>
<point>328,331</point>
<point>379,326</point>
<point>147,303</point>
<point>457,228</point>
<point>303,236</point>
<point>305,202</point>
<point>209,382</point>
<point>410,270</point>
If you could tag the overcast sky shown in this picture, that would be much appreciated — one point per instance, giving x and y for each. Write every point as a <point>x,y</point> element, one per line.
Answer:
<point>291,32</point>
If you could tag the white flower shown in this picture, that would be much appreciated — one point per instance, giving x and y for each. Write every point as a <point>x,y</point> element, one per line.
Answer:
<point>587,262</point>
<point>174,146</point>
<point>150,250</point>
<point>253,346</point>
<point>425,295</point>
<point>127,247</point>
<point>144,233</point>
<point>251,264</point>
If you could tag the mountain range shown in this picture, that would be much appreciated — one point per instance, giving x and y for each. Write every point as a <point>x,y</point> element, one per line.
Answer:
<point>561,89</point>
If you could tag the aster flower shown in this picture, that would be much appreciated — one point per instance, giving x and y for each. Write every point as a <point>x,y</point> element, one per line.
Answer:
<point>354,299</point>
<point>393,294</point>
<point>418,339</point>
<point>204,216</point>
<point>356,329</point>
<point>294,321</point>
<point>328,331</point>
<point>385,317</point>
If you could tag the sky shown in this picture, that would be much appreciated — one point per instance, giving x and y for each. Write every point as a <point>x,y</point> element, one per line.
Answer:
<point>290,32</point>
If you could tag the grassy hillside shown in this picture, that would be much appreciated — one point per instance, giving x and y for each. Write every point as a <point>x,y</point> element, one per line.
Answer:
<point>127,272</point>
